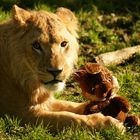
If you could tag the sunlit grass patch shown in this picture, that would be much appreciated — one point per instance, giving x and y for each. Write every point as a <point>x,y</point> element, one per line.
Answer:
<point>4,16</point>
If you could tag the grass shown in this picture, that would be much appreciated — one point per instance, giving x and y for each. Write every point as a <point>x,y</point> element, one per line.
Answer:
<point>11,130</point>
<point>104,26</point>
<point>4,16</point>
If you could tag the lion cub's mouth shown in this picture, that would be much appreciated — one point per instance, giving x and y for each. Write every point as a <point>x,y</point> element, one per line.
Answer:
<point>55,81</point>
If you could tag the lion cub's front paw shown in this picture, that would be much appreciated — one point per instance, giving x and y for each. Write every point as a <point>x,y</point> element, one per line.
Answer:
<point>112,121</point>
<point>99,121</point>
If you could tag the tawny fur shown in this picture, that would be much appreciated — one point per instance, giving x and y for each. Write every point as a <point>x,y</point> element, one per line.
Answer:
<point>26,87</point>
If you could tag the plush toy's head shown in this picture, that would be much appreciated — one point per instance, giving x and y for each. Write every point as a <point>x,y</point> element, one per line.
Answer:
<point>95,81</point>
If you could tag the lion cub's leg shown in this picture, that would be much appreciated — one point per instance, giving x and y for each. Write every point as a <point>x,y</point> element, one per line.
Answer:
<point>60,114</point>
<point>62,119</point>
<point>60,105</point>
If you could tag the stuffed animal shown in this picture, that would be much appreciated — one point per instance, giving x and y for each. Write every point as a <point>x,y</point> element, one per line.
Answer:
<point>96,81</point>
<point>100,87</point>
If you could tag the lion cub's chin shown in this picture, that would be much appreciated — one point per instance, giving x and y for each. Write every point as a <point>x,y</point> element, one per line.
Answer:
<point>55,87</point>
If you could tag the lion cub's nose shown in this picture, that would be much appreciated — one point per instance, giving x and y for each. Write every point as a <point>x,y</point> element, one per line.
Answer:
<point>54,71</point>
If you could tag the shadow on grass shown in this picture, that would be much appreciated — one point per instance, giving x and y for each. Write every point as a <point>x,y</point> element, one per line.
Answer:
<point>107,6</point>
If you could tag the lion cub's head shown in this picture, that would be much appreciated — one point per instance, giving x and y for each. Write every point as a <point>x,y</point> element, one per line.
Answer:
<point>44,47</point>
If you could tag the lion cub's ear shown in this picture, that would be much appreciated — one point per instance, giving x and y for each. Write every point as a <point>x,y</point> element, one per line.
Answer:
<point>69,19</point>
<point>20,15</point>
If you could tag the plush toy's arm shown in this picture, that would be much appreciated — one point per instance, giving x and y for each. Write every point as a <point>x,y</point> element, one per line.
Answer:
<point>122,103</point>
<point>95,107</point>
<point>100,106</point>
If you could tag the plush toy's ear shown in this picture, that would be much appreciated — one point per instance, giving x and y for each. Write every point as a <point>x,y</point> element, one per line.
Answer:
<point>20,15</point>
<point>93,68</point>
<point>80,75</point>
<point>68,19</point>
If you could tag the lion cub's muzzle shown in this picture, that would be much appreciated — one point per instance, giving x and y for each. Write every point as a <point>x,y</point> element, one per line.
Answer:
<point>55,72</point>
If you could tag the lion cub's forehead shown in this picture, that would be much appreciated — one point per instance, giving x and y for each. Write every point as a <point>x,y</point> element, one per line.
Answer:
<point>50,24</point>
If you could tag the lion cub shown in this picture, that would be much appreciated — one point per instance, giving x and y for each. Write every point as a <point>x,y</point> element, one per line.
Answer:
<point>37,52</point>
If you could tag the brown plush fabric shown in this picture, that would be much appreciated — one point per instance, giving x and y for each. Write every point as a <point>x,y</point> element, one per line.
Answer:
<point>96,82</point>
<point>94,79</point>
<point>116,107</point>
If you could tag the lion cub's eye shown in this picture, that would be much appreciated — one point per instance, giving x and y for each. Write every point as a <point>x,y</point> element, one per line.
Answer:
<point>64,44</point>
<point>36,45</point>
